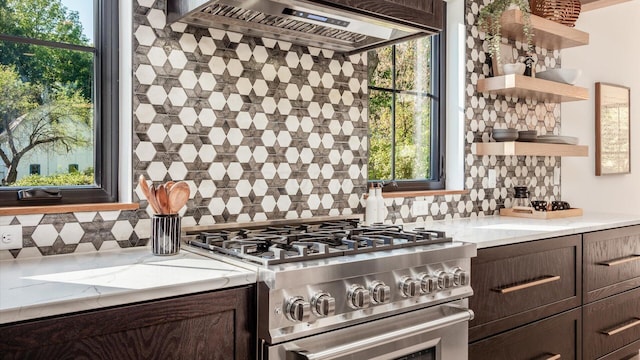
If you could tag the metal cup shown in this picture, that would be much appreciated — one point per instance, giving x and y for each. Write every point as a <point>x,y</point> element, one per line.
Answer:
<point>165,234</point>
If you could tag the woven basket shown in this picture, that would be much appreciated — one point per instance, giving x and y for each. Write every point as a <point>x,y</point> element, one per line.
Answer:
<point>565,12</point>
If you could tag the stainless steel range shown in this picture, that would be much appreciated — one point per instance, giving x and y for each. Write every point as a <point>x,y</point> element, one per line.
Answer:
<point>340,290</point>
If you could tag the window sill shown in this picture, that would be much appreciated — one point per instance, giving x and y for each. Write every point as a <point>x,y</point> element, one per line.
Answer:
<point>398,194</point>
<point>59,209</point>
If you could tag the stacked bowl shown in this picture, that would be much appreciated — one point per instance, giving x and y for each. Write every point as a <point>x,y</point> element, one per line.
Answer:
<point>504,134</point>
<point>527,135</point>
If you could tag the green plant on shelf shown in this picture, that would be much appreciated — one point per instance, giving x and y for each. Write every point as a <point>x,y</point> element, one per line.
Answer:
<point>489,22</point>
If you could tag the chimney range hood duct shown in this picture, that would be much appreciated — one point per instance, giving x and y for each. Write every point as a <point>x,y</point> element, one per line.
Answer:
<point>348,26</point>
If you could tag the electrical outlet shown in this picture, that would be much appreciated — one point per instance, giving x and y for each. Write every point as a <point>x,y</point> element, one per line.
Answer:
<point>556,176</point>
<point>10,237</point>
<point>492,178</point>
<point>420,207</point>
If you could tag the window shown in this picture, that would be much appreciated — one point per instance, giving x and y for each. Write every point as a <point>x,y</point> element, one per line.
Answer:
<point>406,114</point>
<point>34,169</point>
<point>59,98</point>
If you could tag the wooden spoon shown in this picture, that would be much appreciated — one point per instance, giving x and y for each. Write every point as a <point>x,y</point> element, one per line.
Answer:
<point>178,196</point>
<point>154,199</point>
<point>168,185</point>
<point>147,193</point>
<point>163,199</point>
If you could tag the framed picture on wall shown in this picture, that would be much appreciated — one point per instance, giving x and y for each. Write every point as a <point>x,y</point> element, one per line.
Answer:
<point>613,129</point>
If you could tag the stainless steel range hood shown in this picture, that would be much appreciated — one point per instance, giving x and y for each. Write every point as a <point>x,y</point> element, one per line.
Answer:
<point>342,25</point>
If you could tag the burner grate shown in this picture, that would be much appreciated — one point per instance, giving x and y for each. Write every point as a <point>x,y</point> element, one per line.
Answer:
<point>291,243</point>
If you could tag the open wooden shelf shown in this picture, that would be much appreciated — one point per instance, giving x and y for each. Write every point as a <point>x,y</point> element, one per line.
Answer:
<point>527,87</point>
<point>511,148</point>
<point>547,34</point>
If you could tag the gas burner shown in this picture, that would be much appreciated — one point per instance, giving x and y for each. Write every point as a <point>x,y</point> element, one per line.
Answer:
<point>291,243</point>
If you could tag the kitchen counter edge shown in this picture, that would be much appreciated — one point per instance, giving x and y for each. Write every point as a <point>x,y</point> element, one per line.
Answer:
<point>55,285</point>
<point>491,231</point>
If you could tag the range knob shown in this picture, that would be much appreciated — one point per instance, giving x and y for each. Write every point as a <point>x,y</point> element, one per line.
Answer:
<point>460,277</point>
<point>445,280</point>
<point>428,283</point>
<point>380,292</point>
<point>296,309</point>
<point>357,297</point>
<point>409,287</point>
<point>323,304</point>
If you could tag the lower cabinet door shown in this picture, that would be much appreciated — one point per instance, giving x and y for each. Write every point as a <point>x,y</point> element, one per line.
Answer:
<point>611,262</point>
<point>611,324</point>
<point>521,283</point>
<point>557,337</point>
<point>210,326</point>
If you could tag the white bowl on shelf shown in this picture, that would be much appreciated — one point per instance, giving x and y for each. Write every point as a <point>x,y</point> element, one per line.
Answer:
<point>567,76</point>
<point>515,68</point>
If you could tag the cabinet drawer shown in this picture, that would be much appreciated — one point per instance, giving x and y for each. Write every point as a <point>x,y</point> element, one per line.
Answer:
<point>545,339</point>
<point>611,323</point>
<point>518,284</point>
<point>611,262</point>
<point>629,352</point>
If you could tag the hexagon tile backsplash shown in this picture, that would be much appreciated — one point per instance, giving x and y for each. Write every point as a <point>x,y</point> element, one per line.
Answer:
<point>259,128</point>
<point>263,129</point>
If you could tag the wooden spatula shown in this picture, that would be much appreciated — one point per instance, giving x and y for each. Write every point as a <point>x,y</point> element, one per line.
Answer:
<point>163,199</point>
<point>178,196</point>
<point>147,193</point>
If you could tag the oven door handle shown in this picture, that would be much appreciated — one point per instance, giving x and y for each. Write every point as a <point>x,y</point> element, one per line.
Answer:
<point>457,315</point>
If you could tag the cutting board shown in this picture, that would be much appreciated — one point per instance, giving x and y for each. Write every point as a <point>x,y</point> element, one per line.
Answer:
<point>530,213</point>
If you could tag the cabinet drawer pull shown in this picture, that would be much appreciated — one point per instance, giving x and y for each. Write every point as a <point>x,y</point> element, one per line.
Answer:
<point>528,284</point>
<point>627,325</point>
<point>621,261</point>
<point>548,356</point>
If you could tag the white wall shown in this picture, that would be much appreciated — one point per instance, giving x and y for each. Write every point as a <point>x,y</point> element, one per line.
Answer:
<point>125,183</point>
<point>455,98</point>
<point>612,56</point>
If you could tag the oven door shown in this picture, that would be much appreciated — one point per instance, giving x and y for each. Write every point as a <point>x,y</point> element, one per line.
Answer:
<point>435,333</point>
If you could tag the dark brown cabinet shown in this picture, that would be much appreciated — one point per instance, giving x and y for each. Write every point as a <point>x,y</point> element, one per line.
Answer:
<point>611,262</point>
<point>611,312</point>
<point>573,297</point>
<point>213,325</point>
<point>629,352</point>
<point>557,337</point>
<point>611,323</point>
<point>517,284</point>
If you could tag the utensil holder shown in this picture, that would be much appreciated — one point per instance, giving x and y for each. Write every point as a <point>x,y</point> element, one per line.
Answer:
<point>165,234</point>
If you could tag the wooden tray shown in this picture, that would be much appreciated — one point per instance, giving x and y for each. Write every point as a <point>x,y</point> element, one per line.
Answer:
<point>532,214</point>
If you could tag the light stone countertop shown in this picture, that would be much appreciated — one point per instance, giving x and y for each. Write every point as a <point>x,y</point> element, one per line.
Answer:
<point>53,285</point>
<point>502,230</point>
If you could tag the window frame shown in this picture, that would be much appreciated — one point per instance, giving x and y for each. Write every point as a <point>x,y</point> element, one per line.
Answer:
<point>106,105</point>
<point>438,124</point>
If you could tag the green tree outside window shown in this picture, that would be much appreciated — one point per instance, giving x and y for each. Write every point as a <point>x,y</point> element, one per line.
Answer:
<point>46,86</point>
<point>401,112</point>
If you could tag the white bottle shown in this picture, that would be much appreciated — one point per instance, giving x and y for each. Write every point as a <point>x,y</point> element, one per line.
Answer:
<point>380,204</point>
<point>371,207</point>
